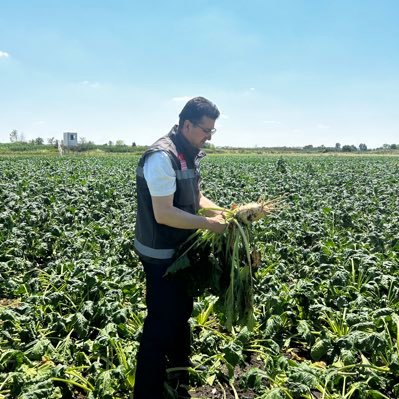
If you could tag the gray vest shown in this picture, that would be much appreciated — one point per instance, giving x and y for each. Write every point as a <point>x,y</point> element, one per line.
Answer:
<point>158,241</point>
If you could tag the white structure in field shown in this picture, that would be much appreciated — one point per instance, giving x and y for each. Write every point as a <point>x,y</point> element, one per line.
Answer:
<point>70,139</point>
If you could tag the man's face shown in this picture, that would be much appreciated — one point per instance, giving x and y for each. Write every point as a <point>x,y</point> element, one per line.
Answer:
<point>198,134</point>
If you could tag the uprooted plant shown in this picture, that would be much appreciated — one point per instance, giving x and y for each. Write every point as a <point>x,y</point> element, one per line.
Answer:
<point>221,264</point>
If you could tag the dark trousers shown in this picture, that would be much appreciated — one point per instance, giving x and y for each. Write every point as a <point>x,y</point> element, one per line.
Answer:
<point>166,338</point>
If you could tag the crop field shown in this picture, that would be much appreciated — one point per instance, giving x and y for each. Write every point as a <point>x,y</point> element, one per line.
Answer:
<point>326,290</point>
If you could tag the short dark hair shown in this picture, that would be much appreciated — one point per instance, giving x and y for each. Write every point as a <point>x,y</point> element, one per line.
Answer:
<point>196,109</point>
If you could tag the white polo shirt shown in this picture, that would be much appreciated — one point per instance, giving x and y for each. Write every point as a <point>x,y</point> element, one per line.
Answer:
<point>159,174</point>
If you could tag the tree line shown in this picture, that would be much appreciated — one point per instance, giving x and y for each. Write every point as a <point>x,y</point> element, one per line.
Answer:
<point>120,146</point>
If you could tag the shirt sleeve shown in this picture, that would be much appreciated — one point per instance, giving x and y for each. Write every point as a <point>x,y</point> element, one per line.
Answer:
<point>159,174</point>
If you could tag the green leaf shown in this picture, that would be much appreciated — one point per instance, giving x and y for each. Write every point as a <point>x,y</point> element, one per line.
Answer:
<point>319,349</point>
<point>180,263</point>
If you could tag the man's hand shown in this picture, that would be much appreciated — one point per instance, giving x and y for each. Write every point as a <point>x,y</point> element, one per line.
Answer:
<point>205,202</point>
<point>166,213</point>
<point>217,223</point>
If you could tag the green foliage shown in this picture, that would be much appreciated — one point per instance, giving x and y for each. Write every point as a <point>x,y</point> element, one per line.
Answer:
<point>325,292</point>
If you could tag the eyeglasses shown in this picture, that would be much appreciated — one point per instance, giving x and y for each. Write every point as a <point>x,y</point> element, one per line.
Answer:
<point>205,130</point>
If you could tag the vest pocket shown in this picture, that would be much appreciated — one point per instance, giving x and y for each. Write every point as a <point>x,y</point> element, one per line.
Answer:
<point>186,194</point>
<point>184,199</point>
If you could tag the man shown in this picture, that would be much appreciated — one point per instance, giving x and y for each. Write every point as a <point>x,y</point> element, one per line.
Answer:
<point>168,198</point>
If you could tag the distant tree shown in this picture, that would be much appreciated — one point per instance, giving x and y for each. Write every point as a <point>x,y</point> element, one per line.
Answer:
<point>394,146</point>
<point>349,148</point>
<point>346,148</point>
<point>38,141</point>
<point>51,140</point>
<point>119,142</point>
<point>82,140</point>
<point>110,143</point>
<point>362,147</point>
<point>386,147</point>
<point>338,146</point>
<point>308,147</point>
<point>134,144</point>
<point>14,136</point>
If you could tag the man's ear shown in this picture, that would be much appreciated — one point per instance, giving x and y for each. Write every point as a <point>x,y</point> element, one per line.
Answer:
<point>186,125</point>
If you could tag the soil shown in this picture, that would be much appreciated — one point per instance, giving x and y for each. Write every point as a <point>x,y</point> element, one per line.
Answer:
<point>208,392</point>
<point>216,392</point>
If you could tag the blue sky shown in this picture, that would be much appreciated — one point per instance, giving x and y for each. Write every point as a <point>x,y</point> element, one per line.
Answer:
<point>283,73</point>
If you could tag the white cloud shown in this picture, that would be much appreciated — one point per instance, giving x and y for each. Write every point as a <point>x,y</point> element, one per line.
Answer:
<point>3,54</point>
<point>321,126</point>
<point>268,122</point>
<point>87,83</point>
<point>249,92</point>
<point>182,99</point>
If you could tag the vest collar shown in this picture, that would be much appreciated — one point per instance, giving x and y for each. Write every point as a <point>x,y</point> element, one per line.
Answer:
<point>189,150</point>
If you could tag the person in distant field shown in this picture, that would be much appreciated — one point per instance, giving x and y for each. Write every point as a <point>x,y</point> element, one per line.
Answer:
<point>168,198</point>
